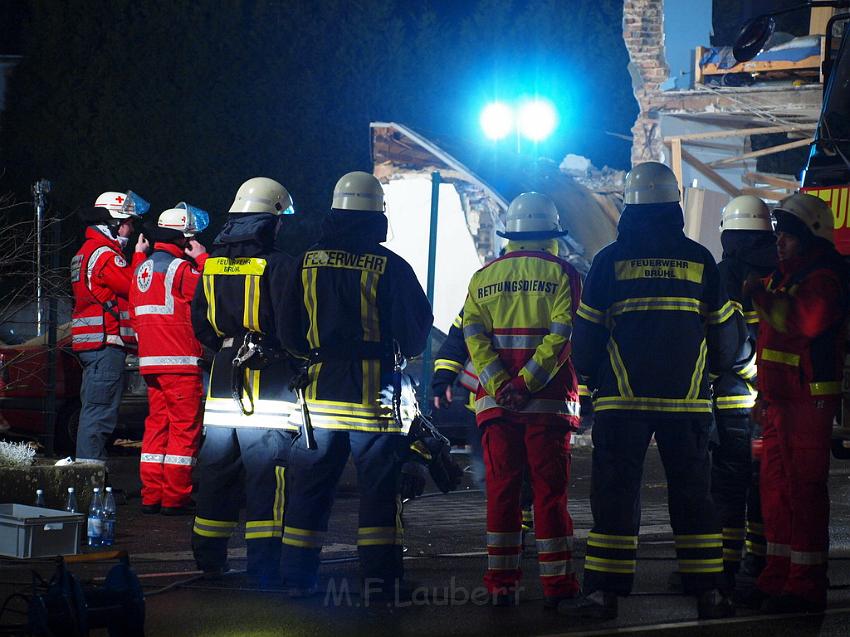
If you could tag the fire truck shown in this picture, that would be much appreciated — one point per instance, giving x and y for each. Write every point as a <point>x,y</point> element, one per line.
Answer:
<point>827,170</point>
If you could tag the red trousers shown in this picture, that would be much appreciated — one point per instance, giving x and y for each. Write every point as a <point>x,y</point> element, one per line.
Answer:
<point>795,501</point>
<point>509,446</point>
<point>171,440</point>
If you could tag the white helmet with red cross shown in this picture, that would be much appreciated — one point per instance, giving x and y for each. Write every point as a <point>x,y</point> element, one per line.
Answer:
<point>122,205</point>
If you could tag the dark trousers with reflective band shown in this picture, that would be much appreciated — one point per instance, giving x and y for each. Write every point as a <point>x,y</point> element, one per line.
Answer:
<point>315,475</point>
<point>619,446</point>
<point>732,488</point>
<point>100,395</point>
<point>542,449</point>
<point>237,463</point>
<point>795,497</point>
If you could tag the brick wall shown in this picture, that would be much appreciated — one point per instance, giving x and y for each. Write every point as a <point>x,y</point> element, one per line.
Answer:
<point>643,32</point>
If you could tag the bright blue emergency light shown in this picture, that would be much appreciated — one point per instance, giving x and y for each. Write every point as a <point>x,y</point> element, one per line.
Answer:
<point>497,120</point>
<point>537,119</point>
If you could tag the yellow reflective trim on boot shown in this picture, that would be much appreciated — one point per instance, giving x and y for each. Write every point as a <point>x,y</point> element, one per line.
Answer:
<point>213,528</point>
<point>714,565</point>
<point>257,529</point>
<point>622,542</point>
<point>730,533</point>
<point>378,536</point>
<point>303,538</point>
<point>593,563</point>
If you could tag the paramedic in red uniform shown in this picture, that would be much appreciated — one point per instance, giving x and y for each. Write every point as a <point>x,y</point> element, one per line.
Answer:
<point>802,309</point>
<point>100,322</point>
<point>517,323</point>
<point>160,298</point>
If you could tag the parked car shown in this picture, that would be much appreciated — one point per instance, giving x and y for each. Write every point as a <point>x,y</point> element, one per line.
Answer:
<point>24,395</point>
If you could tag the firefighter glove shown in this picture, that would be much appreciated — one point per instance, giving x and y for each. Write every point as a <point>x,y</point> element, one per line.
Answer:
<point>412,480</point>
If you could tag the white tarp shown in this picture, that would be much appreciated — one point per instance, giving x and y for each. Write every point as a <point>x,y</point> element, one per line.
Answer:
<point>409,212</point>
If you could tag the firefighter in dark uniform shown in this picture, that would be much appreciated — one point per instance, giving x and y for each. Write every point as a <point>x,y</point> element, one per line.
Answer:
<point>248,405</point>
<point>749,245</point>
<point>452,366</point>
<point>654,318</point>
<point>349,304</point>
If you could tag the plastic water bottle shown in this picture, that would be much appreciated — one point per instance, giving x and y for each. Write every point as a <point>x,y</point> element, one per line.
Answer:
<point>95,526</point>
<point>39,498</point>
<point>109,514</point>
<point>71,502</point>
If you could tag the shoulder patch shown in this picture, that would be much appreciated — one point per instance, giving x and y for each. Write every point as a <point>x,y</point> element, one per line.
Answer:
<point>120,262</point>
<point>144,276</point>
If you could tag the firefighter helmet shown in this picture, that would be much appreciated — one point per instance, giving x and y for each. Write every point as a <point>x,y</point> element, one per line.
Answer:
<point>532,216</point>
<point>358,191</point>
<point>184,218</point>
<point>122,205</point>
<point>261,194</point>
<point>813,211</point>
<point>651,182</point>
<point>746,212</point>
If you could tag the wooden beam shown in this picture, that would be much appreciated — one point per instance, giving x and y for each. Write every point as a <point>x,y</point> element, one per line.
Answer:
<point>771,180</point>
<point>761,153</point>
<point>698,53</point>
<point>762,193</point>
<point>740,132</point>
<point>676,160</point>
<point>819,17</point>
<point>709,172</point>
<point>810,65</point>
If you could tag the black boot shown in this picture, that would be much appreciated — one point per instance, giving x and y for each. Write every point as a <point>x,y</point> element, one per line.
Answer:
<point>785,603</point>
<point>596,605</point>
<point>714,605</point>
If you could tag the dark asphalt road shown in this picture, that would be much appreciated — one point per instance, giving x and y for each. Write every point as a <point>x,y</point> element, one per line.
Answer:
<point>445,556</point>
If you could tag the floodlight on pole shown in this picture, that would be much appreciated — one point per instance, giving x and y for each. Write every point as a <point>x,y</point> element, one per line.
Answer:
<point>497,120</point>
<point>536,119</point>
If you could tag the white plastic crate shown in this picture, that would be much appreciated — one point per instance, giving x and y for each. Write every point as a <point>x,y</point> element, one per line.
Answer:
<point>27,531</point>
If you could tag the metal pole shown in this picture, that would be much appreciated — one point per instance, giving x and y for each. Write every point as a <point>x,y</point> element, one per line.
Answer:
<point>427,359</point>
<point>38,191</point>
<point>52,349</point>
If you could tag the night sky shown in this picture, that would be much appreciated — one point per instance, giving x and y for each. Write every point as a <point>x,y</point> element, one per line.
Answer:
<point>187,101</point>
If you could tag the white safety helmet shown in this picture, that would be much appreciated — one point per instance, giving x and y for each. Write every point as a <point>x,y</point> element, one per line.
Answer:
<point>651,182</point>
<point>358,191</point>
<point>122,205</point>
<point>184,218</point>
<point>261,194</point>
<point>813,211</point>
<point>532,215</point>
<point>746,212</point>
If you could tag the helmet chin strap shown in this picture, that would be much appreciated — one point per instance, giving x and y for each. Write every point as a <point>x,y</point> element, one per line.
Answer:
<point>110,229</point>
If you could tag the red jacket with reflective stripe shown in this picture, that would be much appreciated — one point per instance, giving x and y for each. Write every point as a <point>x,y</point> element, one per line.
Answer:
<point>802,309</point>
<point>160,305</point>
<point>100,280</point>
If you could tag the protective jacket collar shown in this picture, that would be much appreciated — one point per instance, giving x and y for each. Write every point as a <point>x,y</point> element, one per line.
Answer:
<point>246,235</point>
<point>94,234</point>
<point>354,229</point>
<point>648,222</point>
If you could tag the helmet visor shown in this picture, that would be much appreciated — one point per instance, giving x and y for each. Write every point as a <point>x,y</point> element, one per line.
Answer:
<point>197,220</point>
<point>135,205</point>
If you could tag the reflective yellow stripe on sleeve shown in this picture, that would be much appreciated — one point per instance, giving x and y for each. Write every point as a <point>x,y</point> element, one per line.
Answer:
<point>308,281</point>
<point>448,364</point>
<point>209,292</point>
<point>590,314</point>
<point>723,314</point>
<point>251,311</point>
<point>699,370</point>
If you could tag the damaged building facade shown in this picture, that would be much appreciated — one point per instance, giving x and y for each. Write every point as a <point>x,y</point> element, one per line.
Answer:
<point>724,128</point>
